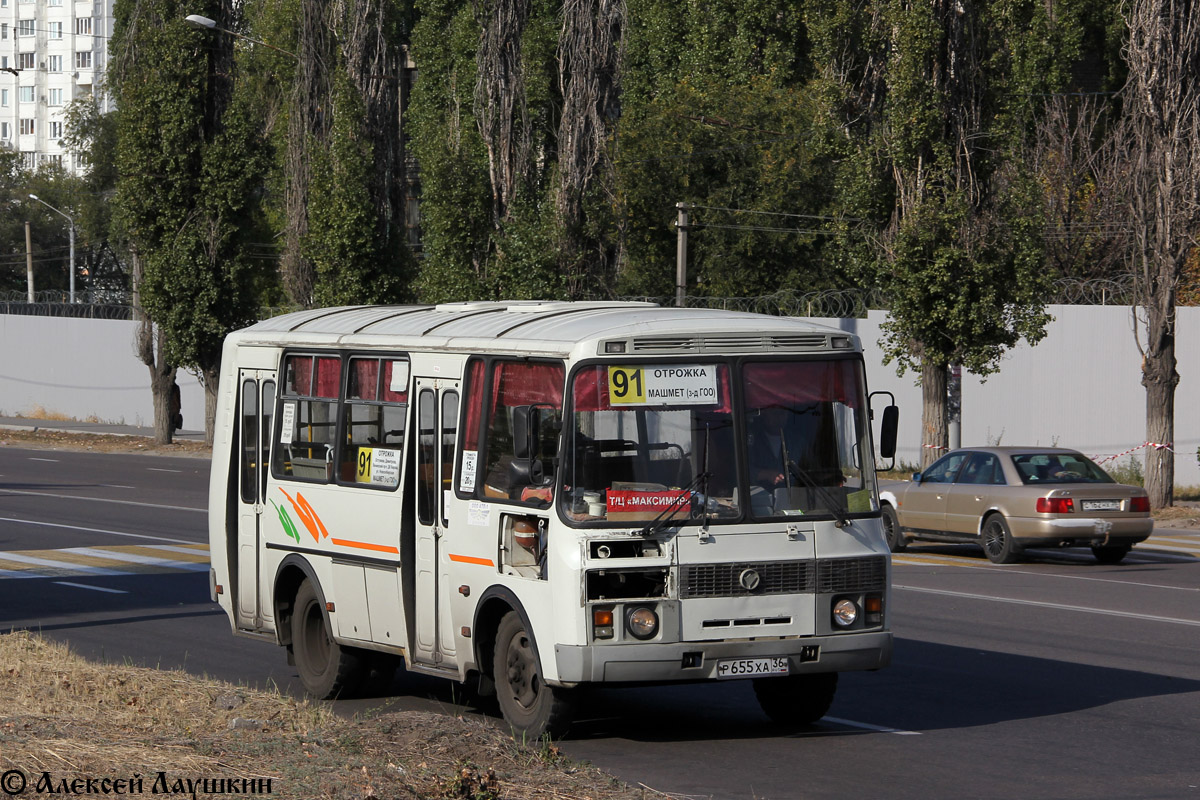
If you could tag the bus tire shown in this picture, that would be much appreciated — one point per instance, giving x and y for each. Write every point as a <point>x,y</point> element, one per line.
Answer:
<point>326,669</point>
<point>531,707</point>
<point>797,699</point>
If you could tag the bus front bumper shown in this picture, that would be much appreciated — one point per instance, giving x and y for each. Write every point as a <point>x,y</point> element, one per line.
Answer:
<point>698,661</point>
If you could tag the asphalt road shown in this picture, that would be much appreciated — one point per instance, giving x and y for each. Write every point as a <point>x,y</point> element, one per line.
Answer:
<point>1055,678</point>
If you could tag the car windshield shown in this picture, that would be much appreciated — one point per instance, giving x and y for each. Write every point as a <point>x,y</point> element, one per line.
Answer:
<point>1038,468</point>
<point>664,442</point>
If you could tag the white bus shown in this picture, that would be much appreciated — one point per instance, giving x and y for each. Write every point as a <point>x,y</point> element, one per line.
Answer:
<point>537,497</point>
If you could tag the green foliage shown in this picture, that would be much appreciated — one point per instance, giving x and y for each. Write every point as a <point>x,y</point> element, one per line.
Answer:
<point>342,238</point>
<point>1128,472</point>
<point>724,145</point>
<point>456,194</point>
<point>190,157</point>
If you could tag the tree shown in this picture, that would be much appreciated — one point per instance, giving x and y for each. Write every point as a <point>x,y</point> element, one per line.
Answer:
<point>960,254</point>
<point>190,156</point>
<point>1160,146</point>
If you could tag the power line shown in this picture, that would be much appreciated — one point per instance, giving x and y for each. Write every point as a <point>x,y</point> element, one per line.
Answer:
<point>775,213</point>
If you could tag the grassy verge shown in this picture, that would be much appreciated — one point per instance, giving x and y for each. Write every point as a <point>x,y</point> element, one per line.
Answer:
<point>66,720</point>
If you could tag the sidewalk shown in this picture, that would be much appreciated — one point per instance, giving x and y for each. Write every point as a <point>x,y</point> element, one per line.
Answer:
<point>74,426</point>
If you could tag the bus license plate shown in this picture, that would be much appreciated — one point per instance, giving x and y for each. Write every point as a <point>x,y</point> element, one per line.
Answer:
<point>752,667</point>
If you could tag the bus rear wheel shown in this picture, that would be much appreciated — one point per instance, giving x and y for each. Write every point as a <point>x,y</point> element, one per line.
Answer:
<point>530,706</point>
<point>326,669</point>
<point>797,699</point>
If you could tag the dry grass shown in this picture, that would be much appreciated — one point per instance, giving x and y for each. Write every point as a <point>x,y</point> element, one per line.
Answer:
<point>76,719</point>
<point>39,412</point>
<point>51,439</point>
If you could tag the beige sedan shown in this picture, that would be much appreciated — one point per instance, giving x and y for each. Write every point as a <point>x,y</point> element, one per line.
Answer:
<point>1010,498</point>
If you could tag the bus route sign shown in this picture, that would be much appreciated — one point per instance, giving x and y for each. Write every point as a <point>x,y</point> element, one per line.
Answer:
<point>663,385</point>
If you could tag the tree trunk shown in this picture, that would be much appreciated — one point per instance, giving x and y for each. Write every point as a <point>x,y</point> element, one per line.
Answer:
<point>1160,378</point>
<point>150,343</point>
<point>934,433</point>
<point>212,382</point>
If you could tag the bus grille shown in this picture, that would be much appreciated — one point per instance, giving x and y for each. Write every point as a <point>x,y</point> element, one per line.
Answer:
<point>783,577</point>
<point>726,580</point>
<point>852,574</point>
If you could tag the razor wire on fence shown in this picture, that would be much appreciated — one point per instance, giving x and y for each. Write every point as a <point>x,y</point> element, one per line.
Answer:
<point>833,303</point>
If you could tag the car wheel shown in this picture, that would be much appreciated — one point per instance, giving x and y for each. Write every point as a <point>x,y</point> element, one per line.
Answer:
<point>1111,554</point>
<point>326,669</point>
<point>531,707</point>
<point>891,530</point>
<point>796,699</point>
<point>998,543</point>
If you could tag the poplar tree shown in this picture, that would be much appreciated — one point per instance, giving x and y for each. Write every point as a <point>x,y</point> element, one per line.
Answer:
<point>190,160</point>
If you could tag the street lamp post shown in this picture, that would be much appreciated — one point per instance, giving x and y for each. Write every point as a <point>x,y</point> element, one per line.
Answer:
<point>71,229</point>
<point>197,21</point>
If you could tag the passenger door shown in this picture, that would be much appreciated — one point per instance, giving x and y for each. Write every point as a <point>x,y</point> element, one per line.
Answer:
<point>924,504</point>
<point>971,494</point>
<point>436,437</point>
<point>256,404</point>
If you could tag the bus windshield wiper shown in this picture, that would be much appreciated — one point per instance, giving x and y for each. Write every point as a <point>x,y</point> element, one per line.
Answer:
<point>826,495</point>
<point>668,514</point>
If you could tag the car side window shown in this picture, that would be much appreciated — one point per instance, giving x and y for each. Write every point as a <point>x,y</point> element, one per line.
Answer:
<point>982,469</point>
<point>944,471</point>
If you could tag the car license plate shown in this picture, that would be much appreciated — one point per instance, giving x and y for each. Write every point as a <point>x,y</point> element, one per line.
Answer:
<point>1101,505</point>
<point>753,667</point>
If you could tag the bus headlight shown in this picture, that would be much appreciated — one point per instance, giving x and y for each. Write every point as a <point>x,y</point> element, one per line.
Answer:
<point>845,613</point>
<point>641,622</point>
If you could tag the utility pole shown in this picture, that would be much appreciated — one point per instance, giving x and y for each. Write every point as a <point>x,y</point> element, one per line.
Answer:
<point>29,260</point>
<point>681,228</point>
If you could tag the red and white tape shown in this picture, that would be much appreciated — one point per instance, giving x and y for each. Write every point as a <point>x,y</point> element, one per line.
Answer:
<point>1156,445</point>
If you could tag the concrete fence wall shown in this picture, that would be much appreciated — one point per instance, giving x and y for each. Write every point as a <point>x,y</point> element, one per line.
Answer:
<point>1080,387</point>
<point>83,369</point>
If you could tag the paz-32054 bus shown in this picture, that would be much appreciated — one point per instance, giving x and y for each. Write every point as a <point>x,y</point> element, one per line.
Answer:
<point>539,497</point>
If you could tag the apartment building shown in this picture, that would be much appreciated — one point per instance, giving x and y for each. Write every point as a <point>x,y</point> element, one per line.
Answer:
<point>51,52</point>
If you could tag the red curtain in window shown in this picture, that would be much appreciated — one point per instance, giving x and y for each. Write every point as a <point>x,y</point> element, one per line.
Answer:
<point>474,404</point>
<point>797,383</point>
<point>387,395</point>
<point>364,379</point>
<point>516,383</point>
<point>329,375</point>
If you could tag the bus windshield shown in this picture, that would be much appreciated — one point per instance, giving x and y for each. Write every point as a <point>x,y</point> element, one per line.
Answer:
<point>664,442</point>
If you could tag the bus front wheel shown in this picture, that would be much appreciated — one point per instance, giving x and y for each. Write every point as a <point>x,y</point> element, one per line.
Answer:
<point>326,669</point>
<point>796,699</point>
<point>531,707</point>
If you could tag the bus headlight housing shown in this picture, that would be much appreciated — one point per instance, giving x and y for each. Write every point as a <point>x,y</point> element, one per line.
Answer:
<point>641,622</point>
<point>845,612</point>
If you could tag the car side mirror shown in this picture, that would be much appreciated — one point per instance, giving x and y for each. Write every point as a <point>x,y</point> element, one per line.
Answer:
<point>916,477</point>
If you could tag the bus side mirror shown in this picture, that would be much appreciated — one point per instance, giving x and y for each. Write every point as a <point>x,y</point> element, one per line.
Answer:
<point>526,425</point>
<point>887,432</point>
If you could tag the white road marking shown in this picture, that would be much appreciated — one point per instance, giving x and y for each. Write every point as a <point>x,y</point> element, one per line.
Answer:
<point>67,565</point>
<point>48,460</point>
<point>1060,606</point>
<point>93,588</point>
<point>954,562</point>
<point>117,486</point>
<point>156,469</point>
<point>96,530</point>
<point>104,500</point>
<point>134,558</point>
<point>868,726</point>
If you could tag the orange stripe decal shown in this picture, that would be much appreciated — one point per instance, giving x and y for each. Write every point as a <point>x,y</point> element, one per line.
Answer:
<point>380,548</point>
<point>483,562</point>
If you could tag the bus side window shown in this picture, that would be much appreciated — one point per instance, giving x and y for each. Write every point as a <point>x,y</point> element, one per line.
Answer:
<point>523,425</point>
<point>308,418</point>
<point>373,433</point>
